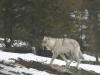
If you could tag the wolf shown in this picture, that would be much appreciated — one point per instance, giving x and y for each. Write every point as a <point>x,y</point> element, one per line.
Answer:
<point>63,47</point>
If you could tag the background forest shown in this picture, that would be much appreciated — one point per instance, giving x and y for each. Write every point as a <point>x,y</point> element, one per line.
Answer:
<point>30,20</point>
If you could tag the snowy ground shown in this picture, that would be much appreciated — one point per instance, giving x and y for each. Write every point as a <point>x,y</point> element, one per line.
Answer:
<point>8,56</point>
<point>17,70</point>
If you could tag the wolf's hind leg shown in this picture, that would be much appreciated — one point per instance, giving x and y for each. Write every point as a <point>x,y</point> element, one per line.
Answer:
<point>64,58</point>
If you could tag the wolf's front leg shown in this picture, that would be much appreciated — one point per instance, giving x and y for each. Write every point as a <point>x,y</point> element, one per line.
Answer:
<point>53,57</point>
<point>78,62</point>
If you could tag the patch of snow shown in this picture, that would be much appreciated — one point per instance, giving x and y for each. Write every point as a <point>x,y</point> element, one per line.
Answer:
<point>89,58</point>
<point>88,67</point>
<point>19,43</point>
<point>2,39</point>
<point>21,70</point>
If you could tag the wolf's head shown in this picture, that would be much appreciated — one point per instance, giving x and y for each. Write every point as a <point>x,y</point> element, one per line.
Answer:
<point>48,42</point>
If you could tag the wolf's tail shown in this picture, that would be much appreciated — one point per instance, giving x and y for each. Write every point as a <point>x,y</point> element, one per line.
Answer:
<point>81,55</point>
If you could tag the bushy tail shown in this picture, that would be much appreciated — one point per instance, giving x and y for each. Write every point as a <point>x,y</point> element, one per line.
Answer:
<point>81,55</point>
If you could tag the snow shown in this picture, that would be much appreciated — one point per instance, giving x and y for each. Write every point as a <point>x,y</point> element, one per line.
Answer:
<point>89,58</point>
<point>6,56</point>
<point>2,39</point>
<point>22,70</point>
<point>17,43</point>
<point>88,67</point>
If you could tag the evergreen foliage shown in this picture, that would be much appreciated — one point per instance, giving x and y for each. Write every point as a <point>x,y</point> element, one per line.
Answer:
<point>30,20</point>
